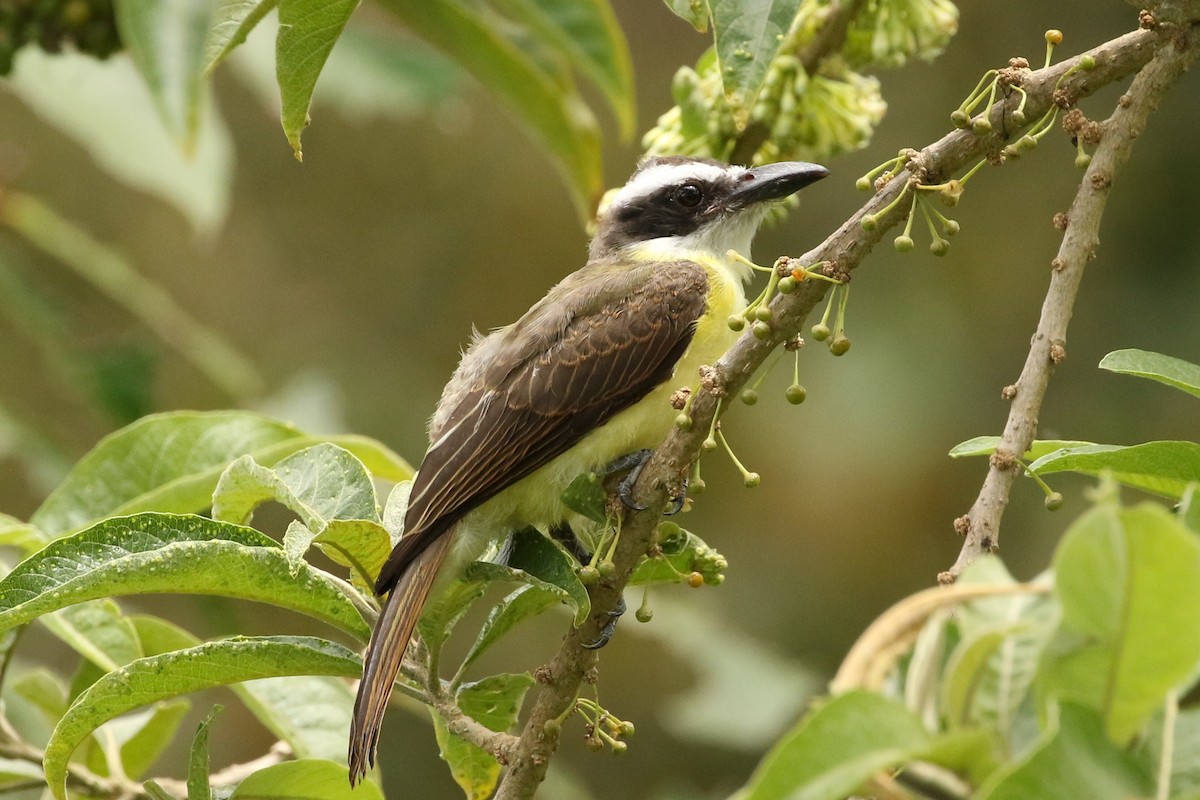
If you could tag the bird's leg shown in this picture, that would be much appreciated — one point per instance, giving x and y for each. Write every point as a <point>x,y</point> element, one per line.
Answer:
<point>631,463</point>
<point>563,534</point>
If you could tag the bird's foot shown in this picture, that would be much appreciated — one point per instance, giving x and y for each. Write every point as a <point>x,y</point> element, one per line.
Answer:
<point>678,501</point>
<point>610,626</point>
<point>633,462</point>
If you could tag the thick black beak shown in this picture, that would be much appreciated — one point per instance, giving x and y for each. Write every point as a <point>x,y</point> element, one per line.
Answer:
<point>774,182</point>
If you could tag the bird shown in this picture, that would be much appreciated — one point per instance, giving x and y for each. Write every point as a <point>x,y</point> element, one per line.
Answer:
<point>582,380</point>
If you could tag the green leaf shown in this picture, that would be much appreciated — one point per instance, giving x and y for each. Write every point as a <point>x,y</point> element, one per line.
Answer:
<point>103,106</point>
<point>23,535</point>
<point>164,462</point>
<point>319,483</point>
<point>586,496</point>
<point>197,781</point>
<point>1129,584</point>
<point>14,772</point>
<point>172,674</point>
<point>494,703</point>
<point>394,510</point>
<point>139,738</point>
<point>1155,366</point>
<point>1073,760</point>
<point>305,779</point>
<point>378,458</point>
<point>1163,468</point>
<point>98,632</point>
<point>748,35</point>
<point>232,22</point>
<point>156,791</point>
<point>308,30</point>
<point>556,115</point>
<point>986,445</point>
<point>694,12</point>
<point>166,39</point>
<point>587,34</point>
<point>683,552</point>
<point>526,602</point>
<point>836,748</point>
<point>309,712</point>
<point>361,545</point>
<point>1189,507</point>
<point>536,556</point>
<point>151,553</point>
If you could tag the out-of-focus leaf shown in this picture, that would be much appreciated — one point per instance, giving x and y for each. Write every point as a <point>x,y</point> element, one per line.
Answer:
<point>152,553</point>
<point>1129,584</point>
<point>103,106</point>
<point>534,554</point>
<point>587,34</point>
<point>98,632</point>
<point>394,510</point>
<point>14,772</point>
<point>197,780</point>
<point>1189,507</point>
<point>1074,760</point>
<point>306,779</point>
<point>1163,468</point>
<point>232,22</point>
<point>1155,366</point>
<point>308,29</point>
<point>695,12</point>
<point>23,535</point>
<point>494,703</point>
<point>986,445</point>
<point>585,495</point>
<point>836,748</point>
<point>557,116</point>
<point>309,712</point>
<point>166,39</point>
<point>748,35</point>
<point>1185,751</point>
<point>172,674</point>
<point>525,602</point>
<point>141,737</point>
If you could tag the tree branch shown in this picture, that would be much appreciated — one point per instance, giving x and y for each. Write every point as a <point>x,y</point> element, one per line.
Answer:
<point>981,525</point>
<point>560,680</point>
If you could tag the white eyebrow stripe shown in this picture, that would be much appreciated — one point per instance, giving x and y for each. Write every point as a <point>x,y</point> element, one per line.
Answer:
<point>652,179</point>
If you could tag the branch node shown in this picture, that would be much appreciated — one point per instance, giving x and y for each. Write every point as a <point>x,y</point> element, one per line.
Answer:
<point>1002,459</point>
<point>962,525</point>
<point>1009,392</point>
<point>1058,352</point>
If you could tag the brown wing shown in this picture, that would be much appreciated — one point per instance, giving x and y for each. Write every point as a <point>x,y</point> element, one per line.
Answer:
<point>610,354</point>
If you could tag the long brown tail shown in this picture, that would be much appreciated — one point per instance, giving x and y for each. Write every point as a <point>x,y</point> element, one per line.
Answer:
<point>384,654</point>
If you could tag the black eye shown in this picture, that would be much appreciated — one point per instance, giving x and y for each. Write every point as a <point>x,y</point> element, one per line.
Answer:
<point>689,195</point>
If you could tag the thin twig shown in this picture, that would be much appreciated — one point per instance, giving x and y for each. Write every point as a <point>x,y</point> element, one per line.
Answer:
<point>981,524</point>
<point>561,679</point>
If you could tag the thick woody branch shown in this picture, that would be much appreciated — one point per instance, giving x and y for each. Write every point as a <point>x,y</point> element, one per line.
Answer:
<point>560,680</point>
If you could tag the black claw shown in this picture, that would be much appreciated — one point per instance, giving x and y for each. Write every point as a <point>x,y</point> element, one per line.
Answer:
<point>633,462</point>
<point>609,628</point>
<point>677,502</point>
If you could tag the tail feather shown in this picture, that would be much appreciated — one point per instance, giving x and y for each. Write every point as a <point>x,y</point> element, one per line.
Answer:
<point>385,653</point>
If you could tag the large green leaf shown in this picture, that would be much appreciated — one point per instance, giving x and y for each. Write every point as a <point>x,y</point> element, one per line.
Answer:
<point>308,29</point>
<point>156,553</point>
<point>166,39</point>
<point>986,445</point>
<point>545,564</point>
<point>586,32</point>
<point>493,702</point>
<point>1164,468</point>
<point>1129,584</point>
<point>172,674</point>
<point>232,22</point>
<point>198,787</point>
<point>1073,760</point>
<point>836,748</point>
<point>97,631</point>
<point>305,779</point>
<point>103,106</point>
<point>748,35</point>
<point>1155,366</point>
<point>556,115</point>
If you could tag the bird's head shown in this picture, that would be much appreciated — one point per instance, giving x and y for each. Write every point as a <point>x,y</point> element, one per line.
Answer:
<point>678,207</point>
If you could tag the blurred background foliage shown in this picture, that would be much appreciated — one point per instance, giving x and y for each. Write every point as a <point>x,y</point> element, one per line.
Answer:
<point>337,293</point>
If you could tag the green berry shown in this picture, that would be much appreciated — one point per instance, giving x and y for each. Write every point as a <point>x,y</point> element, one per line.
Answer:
<point>939,247</point>
<point>594,744</point>
<point>749,396</point>
<point>820,331</point>
<point>1018,117</point>
<point>683,421</point>
<point>870,222</point>
<point>1054,501</point>
<point>1011,151</point>
<point>763,314</point>
<point>1082,160</point>
<point>762,330</point>
<point>736,322</point>
<point>751,480</point>
<point>863,184</point>
<point>1088,62</point>
<point>1054,36</point>
<point>695,580</point>
<point>903,243</point>
<point>552,727</point>
<point>961,119</point>
<point>787,285</point>
<point>589,575</point>
<point>950,227</point>
<point>607,568</point>
<point>697,486</point>
<point>709,444</point>
<point>796,394</point>
<point>644,615</point>
<point>981,126</point>
<point>626,729</point>
<point>1027,142</point>
<point>839,344</point>
<point>619,747</point>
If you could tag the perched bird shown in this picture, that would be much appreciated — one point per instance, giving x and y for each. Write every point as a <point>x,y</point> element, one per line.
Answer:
<point>581,380</point>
